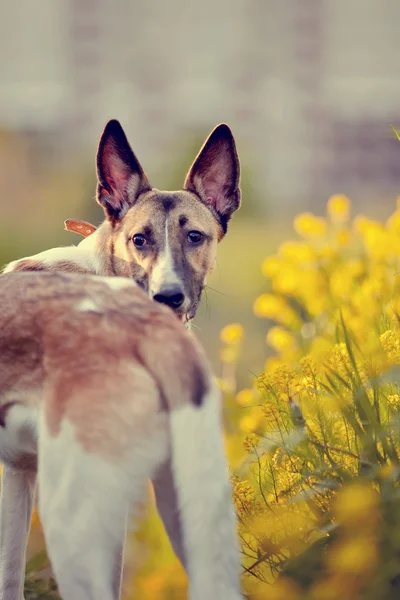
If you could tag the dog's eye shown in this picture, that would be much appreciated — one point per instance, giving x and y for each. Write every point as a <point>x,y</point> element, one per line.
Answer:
<point>194,237</point>
<point>139,240</point>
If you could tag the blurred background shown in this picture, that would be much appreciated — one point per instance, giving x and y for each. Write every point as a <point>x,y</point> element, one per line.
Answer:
<point>309,87</point>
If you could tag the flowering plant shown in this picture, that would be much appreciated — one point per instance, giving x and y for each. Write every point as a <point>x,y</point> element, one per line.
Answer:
<point>317,492</point>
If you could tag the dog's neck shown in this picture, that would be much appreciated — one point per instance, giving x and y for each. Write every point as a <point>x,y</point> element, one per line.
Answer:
<point>92,255</point>
<point>100,251</point>
<point>94,248</point>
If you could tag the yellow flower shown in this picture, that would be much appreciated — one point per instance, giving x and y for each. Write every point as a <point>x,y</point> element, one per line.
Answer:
<point>309,225</point>
<point>273,363</point>
<point>271,266</point>
<point>245,397</point>
<point>356,506</point>
<point>320,347</point>
<point>270,306</point>
<point>231,334</point>
<point>341,282</point>
<point>386,471</point>
<point>394,402</point>
<point>338,208</point>
<point>287,280</point>
<point>283,589</point>
<point>250,421</point>
<point>343,237</point>
<point>376,241</point>
<point>395,305</point>
<point>391,344</point>
<point>327,252</point>
<point>332,587</point>
<point>297,251</point>
<point>376,238</point>
<point>356,555</point>
<point>308,367</point>
<point>393,223</point>
<point>280,339</point>
<point>362,223</point>
<point>355,267</point>
<point>250,442</point>
<point>234,450</point>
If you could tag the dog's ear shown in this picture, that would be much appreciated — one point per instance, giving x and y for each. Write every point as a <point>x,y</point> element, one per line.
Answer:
<point>215,174</point>
<point>120,177</point>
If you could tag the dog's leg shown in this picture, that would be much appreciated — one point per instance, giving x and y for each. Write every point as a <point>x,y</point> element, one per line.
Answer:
<point>17,496</point>
<point>205,500</point>
<point>168,508</point>
<point>84,501</point>
<point>17,443</point>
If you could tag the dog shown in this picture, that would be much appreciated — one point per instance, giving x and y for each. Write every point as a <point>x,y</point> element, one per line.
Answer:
<point>166,241</point>
<point>99,388</point>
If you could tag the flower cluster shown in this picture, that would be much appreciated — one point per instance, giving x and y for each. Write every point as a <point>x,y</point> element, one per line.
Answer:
<point>321,448</point>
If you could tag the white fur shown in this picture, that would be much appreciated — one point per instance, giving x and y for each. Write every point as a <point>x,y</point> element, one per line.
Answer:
<point>164,274</point>
<point>118,283</point>
<point>87,305</point>
<point>84,505</point>
<point>89,245</point>
<point>85,498</point>
<point>205,500</point>
<point>50,257</point>
<point>85,255</point>
<point>19,436</point>
<point>17,440</point>
<point>16,503</point>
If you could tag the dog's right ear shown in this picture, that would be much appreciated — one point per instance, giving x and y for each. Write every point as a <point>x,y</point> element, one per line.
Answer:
<point>215,175</point>
<point>120,177</point>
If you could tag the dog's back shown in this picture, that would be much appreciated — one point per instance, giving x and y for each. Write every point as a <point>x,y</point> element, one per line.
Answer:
<point>111,386</point>
<point>84,329</point>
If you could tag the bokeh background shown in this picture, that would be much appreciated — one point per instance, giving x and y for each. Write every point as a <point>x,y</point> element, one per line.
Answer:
<point>310,89</point>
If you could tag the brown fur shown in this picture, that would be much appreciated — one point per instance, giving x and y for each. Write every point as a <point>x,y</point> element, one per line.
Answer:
<point>67,266</point>
<point>94,360</point>
<point>61,265</point>
<point>29,264</point>
<point>193,264</point>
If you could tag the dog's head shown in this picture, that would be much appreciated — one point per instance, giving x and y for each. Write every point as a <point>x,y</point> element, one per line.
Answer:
<point>167,241</point>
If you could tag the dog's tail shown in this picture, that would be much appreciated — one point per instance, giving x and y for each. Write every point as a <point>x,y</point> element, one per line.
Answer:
<point>205,498</point>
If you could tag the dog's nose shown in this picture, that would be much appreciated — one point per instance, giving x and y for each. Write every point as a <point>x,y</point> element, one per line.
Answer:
<point>172,297</point>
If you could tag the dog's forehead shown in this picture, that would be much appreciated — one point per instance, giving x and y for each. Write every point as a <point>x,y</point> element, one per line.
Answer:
<point>181,208</point>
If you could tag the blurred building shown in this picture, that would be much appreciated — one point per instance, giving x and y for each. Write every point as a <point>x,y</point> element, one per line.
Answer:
<point>310,87</point>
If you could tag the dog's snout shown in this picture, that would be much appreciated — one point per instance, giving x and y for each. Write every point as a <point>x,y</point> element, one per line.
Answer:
<point>172,297</point>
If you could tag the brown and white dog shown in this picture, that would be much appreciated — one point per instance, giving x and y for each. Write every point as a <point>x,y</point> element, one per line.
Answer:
<point>165,241</point>
<point>100,389</point>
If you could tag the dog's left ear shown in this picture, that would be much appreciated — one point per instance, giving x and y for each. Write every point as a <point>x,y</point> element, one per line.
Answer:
<point>121,178</point>
<point>215,174</point>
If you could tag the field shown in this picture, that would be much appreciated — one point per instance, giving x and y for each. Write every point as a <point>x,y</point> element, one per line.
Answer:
<point>304,338</point>
<point>313,436</point>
